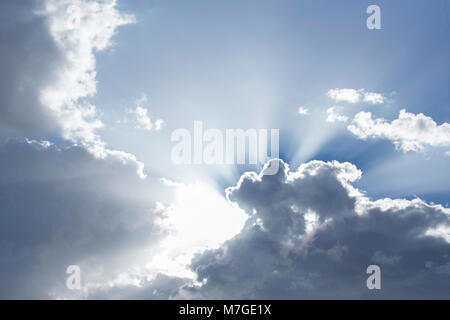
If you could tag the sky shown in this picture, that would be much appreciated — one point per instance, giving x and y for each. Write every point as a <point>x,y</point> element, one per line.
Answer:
<point>91,95</point>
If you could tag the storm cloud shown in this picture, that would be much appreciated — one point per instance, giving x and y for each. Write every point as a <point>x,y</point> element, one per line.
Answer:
<point>311,234</point>
<point>61,207</point>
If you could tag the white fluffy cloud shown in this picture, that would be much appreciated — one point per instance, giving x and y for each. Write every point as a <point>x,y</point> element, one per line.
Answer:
<point>50,81</point>
<point>347,95</point>
<point>79,28</point>
<point>333,115</point>
<point>354,96</point>
<point>410,132</point>
<point>373,98</point>
<point>140,116</point>
<point>303,111</point>
<point>48,56</point>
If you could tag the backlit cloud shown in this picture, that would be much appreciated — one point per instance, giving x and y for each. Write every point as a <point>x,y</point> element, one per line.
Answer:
<point>311,234</point>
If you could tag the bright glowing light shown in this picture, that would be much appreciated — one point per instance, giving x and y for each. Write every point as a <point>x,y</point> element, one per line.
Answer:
<point>200,218</point>
<point>303,111</point>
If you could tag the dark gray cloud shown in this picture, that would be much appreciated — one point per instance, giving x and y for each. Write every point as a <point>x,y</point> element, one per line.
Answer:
<point>162,287</point>
<point>62,206</point>
<point>310,234</point>
<point>28,62</point>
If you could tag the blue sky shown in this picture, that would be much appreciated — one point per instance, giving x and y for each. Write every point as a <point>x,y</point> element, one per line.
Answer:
<point>252,64</point>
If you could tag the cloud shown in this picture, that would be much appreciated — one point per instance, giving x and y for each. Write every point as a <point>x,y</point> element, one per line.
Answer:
<point>140,115</point>
<point>355,96</point>
<point>410,132</point>
<point>333,115</point>
<point>159,123</point>
<point>62,206</point>
<point>380,258</point>
<point>79,29</point>
<point>142,118</point>
<point>373,98</point>
<point>161,287</point>
<point>347,95</point>
<point>308,233</point>
<point>48,56</point>
<point>78,202</point>
<point>48,64</point>
<point>312,234</point>
<point>28,62</point>
<point>303,111</point>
